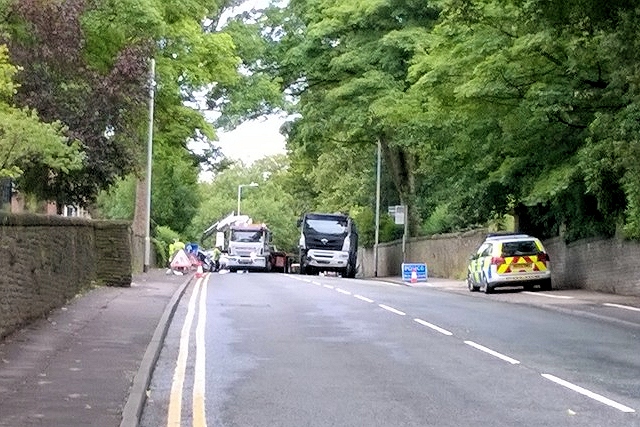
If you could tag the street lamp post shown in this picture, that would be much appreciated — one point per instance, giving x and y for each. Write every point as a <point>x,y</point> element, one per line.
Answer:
<point>377,230</point>
<point>253,184</point>
<point>147,237</point>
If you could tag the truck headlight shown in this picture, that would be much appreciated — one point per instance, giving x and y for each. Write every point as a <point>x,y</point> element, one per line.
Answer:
<point>346,246</point>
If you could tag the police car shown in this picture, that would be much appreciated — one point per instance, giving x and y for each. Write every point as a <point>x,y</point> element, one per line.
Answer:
<point>509,260</point>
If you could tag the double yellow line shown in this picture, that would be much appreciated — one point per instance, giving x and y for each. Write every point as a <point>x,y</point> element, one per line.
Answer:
<point>198,397</point>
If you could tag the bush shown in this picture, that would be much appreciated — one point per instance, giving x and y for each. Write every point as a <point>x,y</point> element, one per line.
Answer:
<point>163,237</point>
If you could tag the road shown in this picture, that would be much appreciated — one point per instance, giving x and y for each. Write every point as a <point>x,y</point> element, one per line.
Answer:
<point>285,350</point>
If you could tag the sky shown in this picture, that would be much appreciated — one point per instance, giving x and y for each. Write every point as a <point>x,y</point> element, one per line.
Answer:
<point>253,140</point>
<point>258,138</point>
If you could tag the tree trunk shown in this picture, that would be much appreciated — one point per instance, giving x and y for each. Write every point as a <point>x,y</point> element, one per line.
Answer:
<point>401,168</point>
<point>139,224</point>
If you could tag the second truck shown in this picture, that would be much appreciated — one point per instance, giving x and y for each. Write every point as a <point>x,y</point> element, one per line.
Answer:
<point>328,242</point>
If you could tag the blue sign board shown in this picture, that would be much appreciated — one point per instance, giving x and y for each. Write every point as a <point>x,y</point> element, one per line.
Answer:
<point>191,248</point>
<point>414,272</point>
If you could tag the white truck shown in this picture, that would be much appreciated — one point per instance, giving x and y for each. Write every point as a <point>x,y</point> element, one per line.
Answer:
<point>249,248</point>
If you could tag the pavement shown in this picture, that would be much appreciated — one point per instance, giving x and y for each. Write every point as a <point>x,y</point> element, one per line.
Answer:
<point>90,362</point>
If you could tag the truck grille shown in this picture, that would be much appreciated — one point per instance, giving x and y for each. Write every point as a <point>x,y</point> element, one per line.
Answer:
<point>327,244</point>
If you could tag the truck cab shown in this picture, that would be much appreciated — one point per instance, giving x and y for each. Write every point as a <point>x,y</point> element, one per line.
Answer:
<point>249,248</point>
<point>328,242</point>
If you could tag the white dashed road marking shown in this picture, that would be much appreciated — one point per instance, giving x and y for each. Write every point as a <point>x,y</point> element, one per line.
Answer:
<point>501,356</point>
<point>391,309</point>
<point>492,352</point>
<point>588,393</point>
<point>365,299</point>
<point>434,327</point>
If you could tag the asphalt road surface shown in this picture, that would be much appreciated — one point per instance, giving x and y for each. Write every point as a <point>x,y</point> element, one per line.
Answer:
<point>275,350</point>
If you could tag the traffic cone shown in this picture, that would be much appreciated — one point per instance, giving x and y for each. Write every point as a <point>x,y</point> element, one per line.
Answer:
<point>414,276</point>
<point>199,272</point>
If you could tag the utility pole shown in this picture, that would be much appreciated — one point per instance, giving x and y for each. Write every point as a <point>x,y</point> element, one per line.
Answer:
<point>147,237</point>
<point>377,239</point>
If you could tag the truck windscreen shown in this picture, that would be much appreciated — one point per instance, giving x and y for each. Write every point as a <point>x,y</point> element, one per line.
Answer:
<point>246,236</point>
<point>337,227</point>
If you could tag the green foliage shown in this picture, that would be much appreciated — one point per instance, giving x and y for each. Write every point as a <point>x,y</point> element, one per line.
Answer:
<point>365,218</point>
<point>174,192</point>
<point>174,195</point>
<point>24,138</point>
<point>270,202</point>
<point>108,30</point>
<point>440,221</point>
<point>162,237</point>
<point>93,77</point>
<point>119,201</point>
<point>484,109</point>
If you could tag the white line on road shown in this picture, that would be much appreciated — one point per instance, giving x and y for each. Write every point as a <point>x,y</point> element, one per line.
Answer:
<point>365,299</point>
<point>391,309</point>
<point>542,294</point>
<point>328,286</point>
<point>588,393</point>
<point>434,327</point>
<point>342,291</point>
<point>626,307</point>
<point>492,352</point>
<point>174,416</point>
<point>199,412</point>
<point>313,282</point>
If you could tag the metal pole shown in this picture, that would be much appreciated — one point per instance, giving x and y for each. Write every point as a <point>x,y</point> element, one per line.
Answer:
<point>147,238</point>
<point>375,251</point>
<point>405,235</point>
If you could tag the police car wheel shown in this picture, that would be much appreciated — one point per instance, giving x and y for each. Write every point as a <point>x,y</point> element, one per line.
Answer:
<point>485,286</point>
<point>546,285</point>
<point>470,285</point>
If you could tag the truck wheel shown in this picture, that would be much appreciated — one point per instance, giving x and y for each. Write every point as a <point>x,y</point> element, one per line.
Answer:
<point>350,272</point>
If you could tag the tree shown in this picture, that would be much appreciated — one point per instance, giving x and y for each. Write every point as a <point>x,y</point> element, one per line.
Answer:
<point>98,108</point>
<point>24,139</point>
<point>345,64</point>
<point>519,92</point>
<point>270,202</point>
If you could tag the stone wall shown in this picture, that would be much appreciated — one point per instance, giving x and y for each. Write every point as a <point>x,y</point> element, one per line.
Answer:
<point>47,260</point>
<point>446,255</point>
<point>603,265</point>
